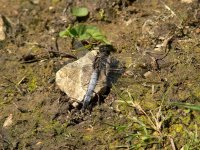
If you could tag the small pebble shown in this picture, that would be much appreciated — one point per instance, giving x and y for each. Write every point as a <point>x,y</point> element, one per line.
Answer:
<point>148,74</point>
<point>75,104</point>
<point>2,29</point>
<point>35,1</point>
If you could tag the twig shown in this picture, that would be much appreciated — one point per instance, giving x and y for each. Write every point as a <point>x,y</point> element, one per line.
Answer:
<point>21,80</point>
<point>164,48</point>
<point>62,54</point>
<point>172,143</point>
<point>16,86</point>
<point>21,109</point>
<point>168,8</point>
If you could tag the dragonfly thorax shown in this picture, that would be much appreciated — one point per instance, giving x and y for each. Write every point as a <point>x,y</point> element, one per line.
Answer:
<point>106,49</point>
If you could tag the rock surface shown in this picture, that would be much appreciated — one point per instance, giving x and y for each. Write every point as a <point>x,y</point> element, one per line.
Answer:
<point>73,79</point>
<point>2,29</point>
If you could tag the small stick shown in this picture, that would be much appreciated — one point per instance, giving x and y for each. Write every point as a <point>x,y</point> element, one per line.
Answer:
<point>21,80</point>
<point>168,8</point>
<point>172,143</point>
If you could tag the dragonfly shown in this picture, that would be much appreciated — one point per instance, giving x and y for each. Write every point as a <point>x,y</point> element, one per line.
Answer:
<point>99,64</point>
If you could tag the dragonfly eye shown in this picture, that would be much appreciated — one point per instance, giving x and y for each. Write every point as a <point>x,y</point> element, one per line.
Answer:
<point>106,49</point>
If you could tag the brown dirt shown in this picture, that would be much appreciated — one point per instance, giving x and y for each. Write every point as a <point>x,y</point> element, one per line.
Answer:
<point>42,116</point>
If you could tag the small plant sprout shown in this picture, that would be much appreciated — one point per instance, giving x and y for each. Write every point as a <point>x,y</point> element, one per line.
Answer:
<point>102,14</point>
<point>84,32</point>
<point>149,124</point>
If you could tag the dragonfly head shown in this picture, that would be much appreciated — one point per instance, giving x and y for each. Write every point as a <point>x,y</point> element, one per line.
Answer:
<point>106,49</point>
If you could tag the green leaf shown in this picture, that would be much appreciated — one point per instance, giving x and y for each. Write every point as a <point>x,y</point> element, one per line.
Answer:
<point>96,34</point>
<point>68,32</point>
<point>80,29</point>
<point>84,32</point>
<point>121,127</point>
<point>85,36</point>
<point>79,11</point>
<point>188,106</point>
<point>64,33</point>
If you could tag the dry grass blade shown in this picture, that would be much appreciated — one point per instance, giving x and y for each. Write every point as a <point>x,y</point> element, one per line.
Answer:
<point>172,143</point>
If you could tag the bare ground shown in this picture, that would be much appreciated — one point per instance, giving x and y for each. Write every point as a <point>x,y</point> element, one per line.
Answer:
<point>139,112</point>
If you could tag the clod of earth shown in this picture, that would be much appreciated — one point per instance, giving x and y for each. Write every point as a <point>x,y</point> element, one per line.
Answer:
<point>73,79</point>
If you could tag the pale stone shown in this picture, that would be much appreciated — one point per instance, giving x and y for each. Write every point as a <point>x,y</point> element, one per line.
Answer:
<point>73,79</point>
<point>75,104</point>
<point>2,29</point>
<point>186,1</point>
<point>35,1</point>
<point>8,122</point>
<point>148,74</point>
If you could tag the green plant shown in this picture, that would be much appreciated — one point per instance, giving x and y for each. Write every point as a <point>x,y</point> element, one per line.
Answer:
<point>188,106</point>
<point>193,141</point>
<point>79,11</point>
<point>147,127</point>
<point>32,84</point>
<point>84,32</point>
<point>102,14</point>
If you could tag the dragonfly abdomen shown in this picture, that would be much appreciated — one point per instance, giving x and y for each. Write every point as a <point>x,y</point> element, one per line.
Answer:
<point>91,87</point>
